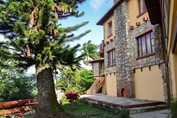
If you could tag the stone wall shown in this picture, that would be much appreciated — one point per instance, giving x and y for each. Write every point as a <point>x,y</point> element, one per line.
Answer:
<point>152,60</point>
<point>125,45</point>
<point>122,44</point>
<point>126,51</point>
<point>95,67</point>
<point>157,59</point>
<point>108,47</point>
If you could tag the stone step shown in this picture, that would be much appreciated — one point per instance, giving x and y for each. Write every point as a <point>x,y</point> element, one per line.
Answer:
<point>117,103</point>
<point>147,108</point>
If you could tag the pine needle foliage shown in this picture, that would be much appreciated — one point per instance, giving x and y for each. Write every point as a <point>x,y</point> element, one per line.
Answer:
<point>33,35</point>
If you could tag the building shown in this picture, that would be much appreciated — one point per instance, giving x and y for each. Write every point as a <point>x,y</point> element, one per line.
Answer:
<point>166,13</point>
<point>132,54</point>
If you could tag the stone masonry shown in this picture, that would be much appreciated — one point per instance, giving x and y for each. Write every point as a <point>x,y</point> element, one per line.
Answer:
<point>112,69</point>
<point>122,48</point>
<point>157,59</point>
<point>126,51</point>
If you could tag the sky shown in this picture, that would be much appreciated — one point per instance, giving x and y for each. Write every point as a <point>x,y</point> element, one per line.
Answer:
<point>94,11</point>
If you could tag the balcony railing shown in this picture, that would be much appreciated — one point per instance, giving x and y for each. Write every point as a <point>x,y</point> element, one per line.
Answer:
<point>101,52</point>
<point>102,71</point>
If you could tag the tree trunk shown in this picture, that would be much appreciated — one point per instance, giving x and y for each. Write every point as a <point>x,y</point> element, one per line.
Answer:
<point>48,106</point>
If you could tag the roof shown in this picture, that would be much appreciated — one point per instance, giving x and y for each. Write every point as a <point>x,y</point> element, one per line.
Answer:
<point>153,8</point>
<point>98,60</point>
<point>175,38</point>
<point>109,12</point>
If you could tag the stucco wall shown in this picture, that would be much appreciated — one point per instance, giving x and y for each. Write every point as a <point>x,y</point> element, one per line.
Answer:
<point>121,75</point>
<point>133,12</point>
<point>126,47</point>
<point>111,86</point>
<point>106,36</point>
<point>149,83</point>
<point>172,19</point>
<point>172,56</point>
<point>108,47</point>
<point>104,89</point>
<point>156,59</point>
<point>173,73</point>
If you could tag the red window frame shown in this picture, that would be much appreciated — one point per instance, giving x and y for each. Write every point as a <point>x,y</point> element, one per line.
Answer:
<point>145,44</point>
<point>111,57</point>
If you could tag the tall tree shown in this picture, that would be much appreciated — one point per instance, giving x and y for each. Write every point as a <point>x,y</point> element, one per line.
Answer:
<point>34,37</point>
<point>78,80</point>
<point>17,87</point>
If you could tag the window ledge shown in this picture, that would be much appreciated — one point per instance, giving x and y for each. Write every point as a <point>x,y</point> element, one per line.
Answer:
<point>145,56</point>
<point>141,14</point>
<point>102,74</point>
<point>109,36</point>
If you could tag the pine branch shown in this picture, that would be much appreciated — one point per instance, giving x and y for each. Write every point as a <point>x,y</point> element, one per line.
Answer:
<point>76,27</point>
<point>78,37</point>
<point>34,35</point>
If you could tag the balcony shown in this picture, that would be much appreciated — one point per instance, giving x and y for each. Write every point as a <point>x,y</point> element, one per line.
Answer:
<point>102,71</point>
<point>101,52</point>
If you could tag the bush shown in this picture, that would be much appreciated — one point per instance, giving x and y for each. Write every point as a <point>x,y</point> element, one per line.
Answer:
<point>173,108</point>
<point>17,87</point>
<point>72,96</point>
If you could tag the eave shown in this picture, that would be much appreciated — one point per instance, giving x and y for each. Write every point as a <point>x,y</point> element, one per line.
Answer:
<point>154,11</point>
<point>174,38</point>
<point>98,60</point>
<point>109,13</point>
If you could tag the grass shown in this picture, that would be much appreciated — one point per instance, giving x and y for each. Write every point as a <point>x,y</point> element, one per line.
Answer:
<point>173,108</point>
<point>83,110</point>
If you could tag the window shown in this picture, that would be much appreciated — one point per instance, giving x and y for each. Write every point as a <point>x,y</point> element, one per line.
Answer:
<point>109,29</point>
<point>102,67</point>
<point>145,44</point>
<point>142,6</point>
<point>111,57</point>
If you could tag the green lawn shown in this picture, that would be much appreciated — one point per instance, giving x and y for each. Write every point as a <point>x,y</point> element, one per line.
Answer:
<point>81,109</point>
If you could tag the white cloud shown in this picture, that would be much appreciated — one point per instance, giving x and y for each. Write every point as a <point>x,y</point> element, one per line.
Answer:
<point>96,4</point>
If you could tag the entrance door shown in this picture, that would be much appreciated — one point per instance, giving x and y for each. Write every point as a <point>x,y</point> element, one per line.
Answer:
<point>123,92</point>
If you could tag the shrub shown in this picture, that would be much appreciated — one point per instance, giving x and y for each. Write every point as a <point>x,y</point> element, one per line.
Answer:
<point>174,108</point>
<point>72,96</point>
<point>17,87</point>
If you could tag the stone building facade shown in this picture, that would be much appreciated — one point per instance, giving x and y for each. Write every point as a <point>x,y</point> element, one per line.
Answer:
<point>130,70</point>
<point>126,51</point>
<point>163,12</point>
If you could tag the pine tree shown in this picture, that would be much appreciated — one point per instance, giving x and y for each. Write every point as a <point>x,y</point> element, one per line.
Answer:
<point>34,37</point>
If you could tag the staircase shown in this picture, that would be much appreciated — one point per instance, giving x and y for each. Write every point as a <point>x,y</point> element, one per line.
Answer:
<point>148,108</point>
<point>96,86</point>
